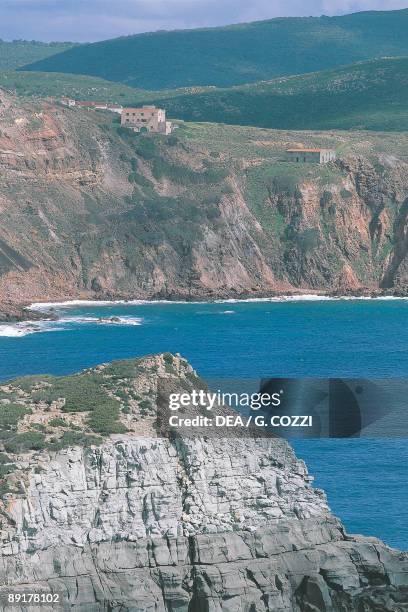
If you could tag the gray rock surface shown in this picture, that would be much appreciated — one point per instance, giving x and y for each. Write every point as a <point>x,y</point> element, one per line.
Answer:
<point>191,525</point>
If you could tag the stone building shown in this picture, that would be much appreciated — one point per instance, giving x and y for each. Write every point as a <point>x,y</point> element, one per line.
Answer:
<point>313,156</point>
<point>146,119</point>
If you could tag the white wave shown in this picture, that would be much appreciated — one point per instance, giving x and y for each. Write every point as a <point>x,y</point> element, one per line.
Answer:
<point>12,331</point>
<point>311,298</point>
<point>24,328</point>
<point>45,306</point>
<point>110,320</point>
<point>118,321</point>
<point>307,297</point>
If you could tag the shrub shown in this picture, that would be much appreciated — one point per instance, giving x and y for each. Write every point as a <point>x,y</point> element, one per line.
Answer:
<point>57,422</point>
<point>6,466</point>
<point>26,383</point>
<point>73,438</point>
<point>104,419</point>
<point>4,489</point>
<point>10,414</point>
<point>345,194</point>
<point>146,147</point>
<point>184,175</point>
<point>172,141</point>
<point>31,440</point>
<point>145,405</point>
<point>326,198</point>
<point>81,393</point>
<point>139,179</point>
<point>125,133</point>
<point>309,239</point>
<point>126,368</point>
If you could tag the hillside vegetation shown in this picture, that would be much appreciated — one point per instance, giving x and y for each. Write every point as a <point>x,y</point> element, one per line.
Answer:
<point>20,52</point>
<point>369,95</point>
<point>77,86</point>
<point>237,54</point>
<point>91,209</point>
<point>41,412</point>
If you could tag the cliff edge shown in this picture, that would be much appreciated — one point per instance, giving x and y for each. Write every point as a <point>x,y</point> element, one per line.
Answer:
<point>126,520</point>
<point>89,209</point>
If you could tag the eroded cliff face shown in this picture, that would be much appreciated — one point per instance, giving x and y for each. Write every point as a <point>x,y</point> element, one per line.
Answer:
<point>88,209</point>
<point>145,523</point>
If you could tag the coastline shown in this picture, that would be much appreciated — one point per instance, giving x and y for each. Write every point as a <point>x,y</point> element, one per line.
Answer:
<point>32,312</point>
<point>44,307</point>
<point>52,315</point>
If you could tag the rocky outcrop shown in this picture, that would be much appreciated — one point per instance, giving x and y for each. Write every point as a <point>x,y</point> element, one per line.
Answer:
<point>88,210</point>
<point>144,523</point>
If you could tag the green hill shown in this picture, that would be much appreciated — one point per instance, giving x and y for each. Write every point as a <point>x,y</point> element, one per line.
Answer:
<point>20,52</point>
<point>237,54</point>
<point>369,95</point>
<point>78,86</point>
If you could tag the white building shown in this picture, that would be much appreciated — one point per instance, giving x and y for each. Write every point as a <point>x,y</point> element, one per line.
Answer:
<point>315,156</point>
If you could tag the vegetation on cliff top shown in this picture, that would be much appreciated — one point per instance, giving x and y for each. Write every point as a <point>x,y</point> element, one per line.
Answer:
<point>44,412</point>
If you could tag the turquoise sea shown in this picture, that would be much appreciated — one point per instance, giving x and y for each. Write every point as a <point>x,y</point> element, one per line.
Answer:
<point>365,479</point>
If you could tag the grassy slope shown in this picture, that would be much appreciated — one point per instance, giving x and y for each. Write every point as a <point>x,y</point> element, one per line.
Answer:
<point>237,54</point>
<point>77,86</point>
<point>20,52</point>
<point>368,95</point>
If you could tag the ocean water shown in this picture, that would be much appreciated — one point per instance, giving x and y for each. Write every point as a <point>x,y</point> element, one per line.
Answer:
<point>365,479</point>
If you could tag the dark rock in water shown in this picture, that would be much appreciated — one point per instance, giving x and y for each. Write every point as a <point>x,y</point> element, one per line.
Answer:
<point>12,313</point>
<point>108,320</point>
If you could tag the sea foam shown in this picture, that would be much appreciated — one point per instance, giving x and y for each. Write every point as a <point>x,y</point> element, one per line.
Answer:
<point>24,328</point>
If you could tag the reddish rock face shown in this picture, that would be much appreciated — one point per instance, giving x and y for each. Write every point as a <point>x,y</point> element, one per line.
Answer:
<point>88,210</point>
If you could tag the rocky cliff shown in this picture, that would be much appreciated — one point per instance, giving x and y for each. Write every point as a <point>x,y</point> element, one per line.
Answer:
<point>138,522</point>
<point>89,209</point>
